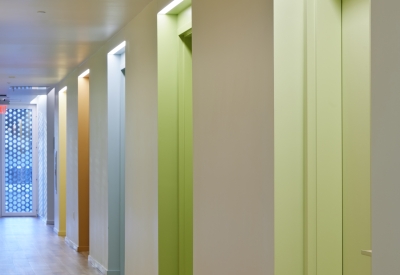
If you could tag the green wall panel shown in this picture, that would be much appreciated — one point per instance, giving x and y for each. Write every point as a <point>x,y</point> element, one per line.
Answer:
<point>356,137</point>
<point>175,131</point>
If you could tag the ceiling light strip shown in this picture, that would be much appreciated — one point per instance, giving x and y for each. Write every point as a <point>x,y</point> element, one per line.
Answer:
<point>170,6</point>
<point>63,90</point>
<point>117,48</point>
<point>84,74</point>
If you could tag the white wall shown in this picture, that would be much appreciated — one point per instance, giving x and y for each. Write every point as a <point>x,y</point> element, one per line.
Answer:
<point>385,137</point>
<point>233,107</point>
<point>72,160</point>
<point>56,157</point>
<point>50,155</point>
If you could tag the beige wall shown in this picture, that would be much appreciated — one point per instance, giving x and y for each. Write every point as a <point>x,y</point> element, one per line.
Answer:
<point>233,108</point>
<point>141,181</point>
<point>385,137</point>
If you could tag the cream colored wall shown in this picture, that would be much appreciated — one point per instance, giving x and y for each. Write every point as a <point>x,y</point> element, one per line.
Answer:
<point>141,180</point>
<point>233,109</point>
<point>385,136</point>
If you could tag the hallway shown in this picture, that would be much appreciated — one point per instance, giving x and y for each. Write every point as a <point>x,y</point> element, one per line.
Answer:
<point>28,246</point>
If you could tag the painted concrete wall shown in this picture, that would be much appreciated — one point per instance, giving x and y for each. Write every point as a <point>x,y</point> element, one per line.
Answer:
<point>290,84</point>
<point>385,136</point>
<point>233,109</point>
<point>356,136</point>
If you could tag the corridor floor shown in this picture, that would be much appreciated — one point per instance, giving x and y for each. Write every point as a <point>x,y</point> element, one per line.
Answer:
<point>28,246</point>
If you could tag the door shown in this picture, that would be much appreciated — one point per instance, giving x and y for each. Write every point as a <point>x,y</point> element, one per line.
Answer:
<point>18,140</point>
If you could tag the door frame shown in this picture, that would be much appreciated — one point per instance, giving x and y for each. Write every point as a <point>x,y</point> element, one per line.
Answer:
<point>34,163</point>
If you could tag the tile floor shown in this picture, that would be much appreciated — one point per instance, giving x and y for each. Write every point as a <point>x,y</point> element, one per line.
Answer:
<point>28,246</point>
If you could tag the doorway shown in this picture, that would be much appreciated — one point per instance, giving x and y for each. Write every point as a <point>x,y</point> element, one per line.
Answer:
<point>116,158</point>
<point>18,139</point>
<point>175,141</point>
<point>83,161</point>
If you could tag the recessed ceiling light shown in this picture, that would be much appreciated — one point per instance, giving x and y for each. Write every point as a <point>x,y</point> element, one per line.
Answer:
<point>41,12</point>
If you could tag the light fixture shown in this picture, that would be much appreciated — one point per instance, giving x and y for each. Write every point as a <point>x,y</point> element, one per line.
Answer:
<point>34,101</point>
<point>84,74</point>
<point>117,48</point>
<point>170,6</point>
<point>11,76</point>
<point>63,90</point>
<point>14,88</point>
<point>41,12</point>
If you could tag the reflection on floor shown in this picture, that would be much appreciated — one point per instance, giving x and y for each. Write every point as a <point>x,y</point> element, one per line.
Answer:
<point>28,246</point>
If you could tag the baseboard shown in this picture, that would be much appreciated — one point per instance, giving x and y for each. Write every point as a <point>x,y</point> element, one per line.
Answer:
<point>82,248</point>
<point>97,265</point>
<point>71,244</point>
<point>76,247</point>
<point>46,221</point>
<point>59,233</point>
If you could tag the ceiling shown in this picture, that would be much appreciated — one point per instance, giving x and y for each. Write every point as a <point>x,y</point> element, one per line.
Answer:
<point>40,49</point>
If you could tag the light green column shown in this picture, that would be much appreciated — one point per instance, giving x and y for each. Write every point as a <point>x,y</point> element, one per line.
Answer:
<point>289,92</point>
<point>323,186</point>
